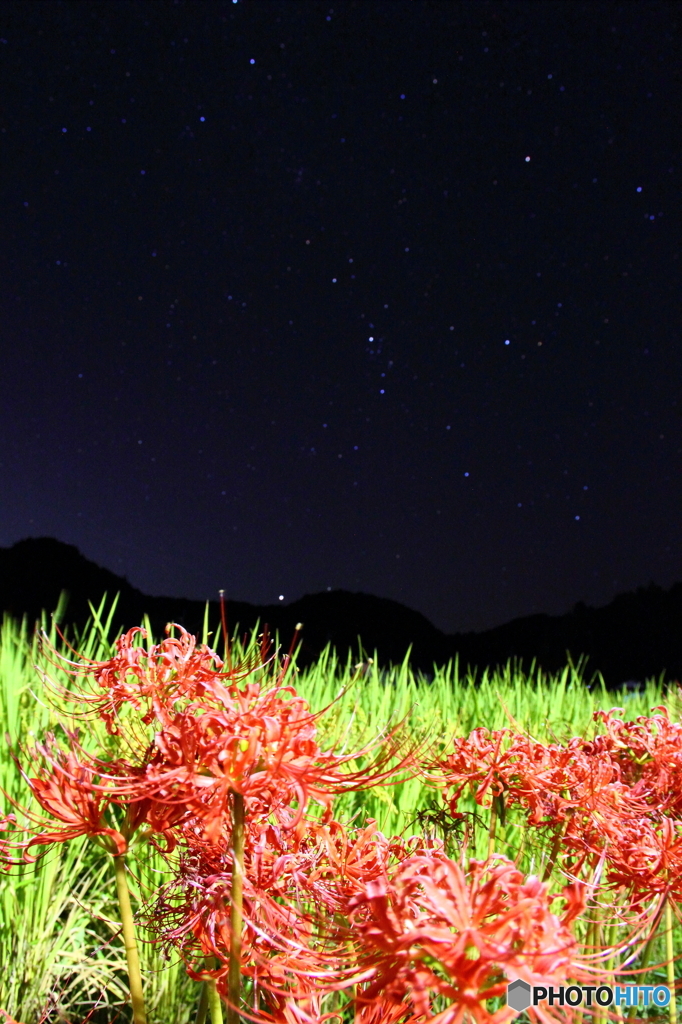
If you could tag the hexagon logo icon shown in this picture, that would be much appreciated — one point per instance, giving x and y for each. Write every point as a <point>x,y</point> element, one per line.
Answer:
<point>518,995</point>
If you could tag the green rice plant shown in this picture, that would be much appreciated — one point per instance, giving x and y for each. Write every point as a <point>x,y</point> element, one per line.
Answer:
<point>58,922</point>
<point>170,994</point>
<point>47,908</point>
<point>46,926</point>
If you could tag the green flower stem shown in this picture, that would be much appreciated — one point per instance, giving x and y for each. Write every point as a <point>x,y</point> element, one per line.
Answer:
<point>554,852</point>
<point>209,996</point>
<point>492,829</point>
<point>594,945</point>
<point>670,958</point>
<point>235,969</point>
<point>203,1004</point>
<point>214,1004</point>
<point>202,1008</point>
<point>644,960</point>
<point>611,965</point>
<point>134,976</point>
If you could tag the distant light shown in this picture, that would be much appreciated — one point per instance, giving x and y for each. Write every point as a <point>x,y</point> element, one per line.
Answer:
<point>466,474</point>
<point>143,172</point>
<point>402,95</point>
<point>382,392</point>
<point>507,341</point>
<point>407,249</point>
<point>370,338</point>
<point>252,61</point>
<point>527,159</point>
<point>281,597</point>
<point>549,76</point>
<point>333,280</point>
<point>639,188</point>
<point>577,517</point>
<point>202,118</point>
<point>64,129</point>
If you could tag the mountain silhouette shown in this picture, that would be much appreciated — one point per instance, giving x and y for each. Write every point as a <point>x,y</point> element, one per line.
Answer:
<point>635,637</point>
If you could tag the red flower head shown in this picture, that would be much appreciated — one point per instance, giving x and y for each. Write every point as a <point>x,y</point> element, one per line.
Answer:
<point>431,929</point>
<point>69,791</point>
<point>211,738</point>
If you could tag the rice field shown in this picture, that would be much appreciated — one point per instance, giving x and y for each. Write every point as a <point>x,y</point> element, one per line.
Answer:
<point>61,947</point>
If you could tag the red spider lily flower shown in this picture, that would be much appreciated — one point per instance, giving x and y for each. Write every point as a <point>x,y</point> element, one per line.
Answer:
<point>266,752</point>
<point>649,754</point>
<point>150,681</point>
<point>645,858</point>
<point>430,929</point>
<point>214,738</point>
<point>482,761</point>
<point>295,943</point>
<point>68,791</point>
<point>80,791</point>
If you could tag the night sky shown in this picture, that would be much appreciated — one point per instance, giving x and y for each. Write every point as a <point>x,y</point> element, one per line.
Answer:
<point>381,296</point>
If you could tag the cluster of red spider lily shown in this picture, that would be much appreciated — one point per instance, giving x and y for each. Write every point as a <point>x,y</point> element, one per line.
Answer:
<point>397,920</point>
<point>221,771</point>
<point>613,804</point>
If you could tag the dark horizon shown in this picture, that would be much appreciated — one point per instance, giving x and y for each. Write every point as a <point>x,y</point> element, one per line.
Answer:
<point>233,599</point>
<point>383,296</point>
<point>634,638</point>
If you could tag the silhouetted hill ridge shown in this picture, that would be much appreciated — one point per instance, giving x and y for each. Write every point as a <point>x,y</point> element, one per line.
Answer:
<point>636,636</point>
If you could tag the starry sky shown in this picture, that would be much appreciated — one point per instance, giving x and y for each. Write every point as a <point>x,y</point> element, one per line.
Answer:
<point>381,296</point>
